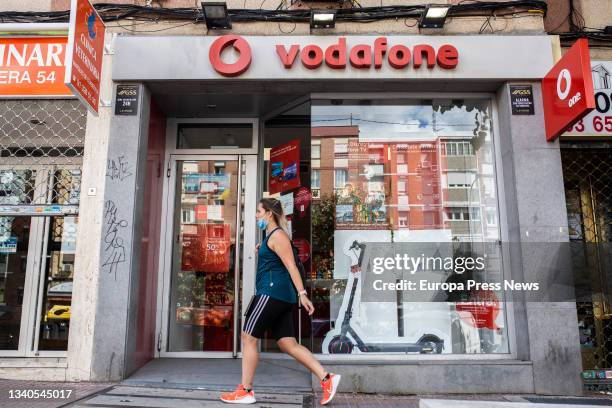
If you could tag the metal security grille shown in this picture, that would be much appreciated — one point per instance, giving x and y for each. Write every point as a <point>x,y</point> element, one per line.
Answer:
<point>41,151</point>
<point>587,174</point>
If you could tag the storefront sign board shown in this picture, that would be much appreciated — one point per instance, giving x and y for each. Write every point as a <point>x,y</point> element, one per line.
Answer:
<point>567,90</point>
<point>33,67</point>
<point>599,121</point>
<point>486,57</point>
<point>84,53</point>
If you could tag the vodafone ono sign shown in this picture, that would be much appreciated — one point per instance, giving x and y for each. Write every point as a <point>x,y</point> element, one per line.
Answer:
<point>567,90</point>
<point>336,56</point>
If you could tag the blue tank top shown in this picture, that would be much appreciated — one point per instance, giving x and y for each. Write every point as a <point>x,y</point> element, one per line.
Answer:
<point>272,277</point>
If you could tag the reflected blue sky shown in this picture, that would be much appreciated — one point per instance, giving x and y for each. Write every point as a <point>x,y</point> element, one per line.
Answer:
<point>398,121</point>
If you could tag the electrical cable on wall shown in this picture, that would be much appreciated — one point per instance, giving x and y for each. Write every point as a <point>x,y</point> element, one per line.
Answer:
<point>114,12</point>
<point>492,10</point>
<point>597,37</point>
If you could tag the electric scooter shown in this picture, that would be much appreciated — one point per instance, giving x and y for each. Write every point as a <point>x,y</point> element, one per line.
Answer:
<point>345,339</point>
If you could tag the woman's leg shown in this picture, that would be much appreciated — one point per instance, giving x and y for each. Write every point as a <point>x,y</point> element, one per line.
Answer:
<point>290,346</point>
<point>250,357</point>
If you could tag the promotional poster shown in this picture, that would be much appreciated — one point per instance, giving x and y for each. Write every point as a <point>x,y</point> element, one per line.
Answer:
<point>285,167</point>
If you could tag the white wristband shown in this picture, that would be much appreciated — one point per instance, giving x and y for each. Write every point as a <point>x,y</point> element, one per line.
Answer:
<point>302,293</point>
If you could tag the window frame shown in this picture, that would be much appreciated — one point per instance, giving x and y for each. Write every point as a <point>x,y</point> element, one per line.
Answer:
<point>34,285</point>
<point>172,125</point>
<point>502,226</point>
<point>336,171</point>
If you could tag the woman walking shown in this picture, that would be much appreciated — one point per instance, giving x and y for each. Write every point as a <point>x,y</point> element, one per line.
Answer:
<point>271,307</point>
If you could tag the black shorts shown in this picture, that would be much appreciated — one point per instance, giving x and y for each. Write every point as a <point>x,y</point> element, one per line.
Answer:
<point>266,313</point>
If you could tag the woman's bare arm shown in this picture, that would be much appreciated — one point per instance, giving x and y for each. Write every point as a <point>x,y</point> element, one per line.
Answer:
<point>281,245</point>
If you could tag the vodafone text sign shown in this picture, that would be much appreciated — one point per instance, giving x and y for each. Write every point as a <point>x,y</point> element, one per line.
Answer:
<point>84,54</point>
<point>479,58</point>
<point>567,90</point>
<point>33,67</point>
<point>364,56</point>
<point>336,56</point>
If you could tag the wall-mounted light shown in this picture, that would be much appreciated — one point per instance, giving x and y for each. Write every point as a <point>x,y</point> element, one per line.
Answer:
<point>215,15</point>
<point>322,18</point>
<point>434,16</point>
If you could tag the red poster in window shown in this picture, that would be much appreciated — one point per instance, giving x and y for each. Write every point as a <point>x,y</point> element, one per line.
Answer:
<point>481,310</point>
<point>303,247</point>
<point>207,250</point>
<point>84,53</point>
<point>567,90</point>
<point>302,201</point>
<point>284,171</point>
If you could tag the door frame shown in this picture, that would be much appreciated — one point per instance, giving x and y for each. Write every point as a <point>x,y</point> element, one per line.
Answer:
<point>172,136</point>
<point>247,165</point>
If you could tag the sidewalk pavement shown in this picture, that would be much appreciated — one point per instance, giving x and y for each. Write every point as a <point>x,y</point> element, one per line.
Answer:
<point>107,395</point>
<point>79,390</point>
<point>460,401</point>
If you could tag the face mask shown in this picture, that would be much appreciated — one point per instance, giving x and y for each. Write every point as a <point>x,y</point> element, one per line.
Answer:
<point>262,224</point>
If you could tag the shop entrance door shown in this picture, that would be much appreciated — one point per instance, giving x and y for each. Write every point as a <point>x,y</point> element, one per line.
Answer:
<point>209,262</point>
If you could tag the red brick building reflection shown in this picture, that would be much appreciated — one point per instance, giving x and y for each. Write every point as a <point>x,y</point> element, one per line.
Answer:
<point>387,184</point>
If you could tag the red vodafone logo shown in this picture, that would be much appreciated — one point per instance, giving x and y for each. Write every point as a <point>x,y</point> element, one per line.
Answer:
<point>235,68</point>
<point>564,84</point>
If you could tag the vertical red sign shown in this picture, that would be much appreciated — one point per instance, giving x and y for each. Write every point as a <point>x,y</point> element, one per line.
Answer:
<point>567,90</point>
<point>84,53</point>
<point>284,171</point>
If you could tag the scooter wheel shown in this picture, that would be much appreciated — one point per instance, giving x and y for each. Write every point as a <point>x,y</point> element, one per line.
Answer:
<point>340,345</point>
<point>430,344</point>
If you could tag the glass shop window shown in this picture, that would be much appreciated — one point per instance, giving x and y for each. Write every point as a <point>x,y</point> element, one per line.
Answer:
<point>406,175</point>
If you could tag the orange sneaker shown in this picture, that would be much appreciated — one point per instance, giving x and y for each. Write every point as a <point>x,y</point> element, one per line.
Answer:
<point>329,387</point>
<point>240,396</point>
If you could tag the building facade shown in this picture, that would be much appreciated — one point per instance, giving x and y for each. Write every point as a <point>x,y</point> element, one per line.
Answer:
<point>128,236</point>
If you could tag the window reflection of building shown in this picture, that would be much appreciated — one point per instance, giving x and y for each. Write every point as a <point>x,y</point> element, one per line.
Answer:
<point>420,184</point>
<point>602,78</point>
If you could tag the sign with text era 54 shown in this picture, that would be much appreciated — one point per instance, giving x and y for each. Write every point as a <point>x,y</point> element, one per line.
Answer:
<point>84,53</point>
<point>33,67</point>
<point>567,90</point>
